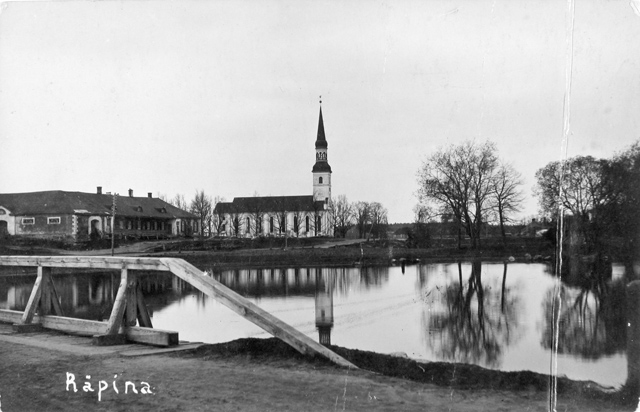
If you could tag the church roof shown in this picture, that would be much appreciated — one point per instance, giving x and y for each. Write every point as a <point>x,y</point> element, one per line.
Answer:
<point>321,141</point>
<point>321,166</point>
<point>67,203</point>
<point>265,204</point>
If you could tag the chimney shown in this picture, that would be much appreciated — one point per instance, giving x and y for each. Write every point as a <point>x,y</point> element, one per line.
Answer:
<point>130,192</point>
<point>99,190</point>
<point>149,195</point>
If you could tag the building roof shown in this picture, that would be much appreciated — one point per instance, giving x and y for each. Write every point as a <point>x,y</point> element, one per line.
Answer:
<point>267,204</point>
<point>60,202</point>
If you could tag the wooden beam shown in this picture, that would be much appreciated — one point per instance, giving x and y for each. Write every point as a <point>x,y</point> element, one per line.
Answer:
<point>150,336</point>
<point>10,316</point>
<point>34,299</point>
<point>143,313</point>
<point>97,262</point>
<point>115,320</point>
<point>252,312</point>
<point>55,299</point>
<point>84,327</point>
<point>45,293</point>
<point>131,312</point>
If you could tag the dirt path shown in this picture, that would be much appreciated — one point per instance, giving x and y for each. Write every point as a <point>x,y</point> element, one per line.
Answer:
<point>35,379</point>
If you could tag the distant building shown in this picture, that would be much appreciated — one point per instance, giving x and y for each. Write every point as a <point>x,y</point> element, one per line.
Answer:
<point>77,216</point>
<point>299,216</point>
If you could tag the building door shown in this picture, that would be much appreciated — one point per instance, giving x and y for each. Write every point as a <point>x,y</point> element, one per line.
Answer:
<point>95,229</point>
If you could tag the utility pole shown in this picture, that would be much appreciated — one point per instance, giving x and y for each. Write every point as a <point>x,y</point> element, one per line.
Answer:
<point>113,222</point>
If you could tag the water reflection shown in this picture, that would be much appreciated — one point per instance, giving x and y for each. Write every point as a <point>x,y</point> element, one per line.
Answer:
<point>472,322</point>
<point>591,319</point>
<point>486,314</point>
<point>88,295</point>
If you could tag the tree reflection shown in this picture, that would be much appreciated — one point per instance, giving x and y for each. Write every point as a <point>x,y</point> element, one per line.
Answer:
<point>591,320</point>
<point>475,322</point>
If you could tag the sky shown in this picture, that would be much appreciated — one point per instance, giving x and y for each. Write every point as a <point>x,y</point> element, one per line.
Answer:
<point>172,97</point>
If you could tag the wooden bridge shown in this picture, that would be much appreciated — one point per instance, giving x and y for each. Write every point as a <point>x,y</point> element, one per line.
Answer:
<point>129,307</point>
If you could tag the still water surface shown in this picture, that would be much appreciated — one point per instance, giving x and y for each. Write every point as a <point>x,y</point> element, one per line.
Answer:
<point>491,315</point>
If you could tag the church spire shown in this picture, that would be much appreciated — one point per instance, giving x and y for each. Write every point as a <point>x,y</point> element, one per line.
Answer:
<point>321,169</point>
<point>321,141</point>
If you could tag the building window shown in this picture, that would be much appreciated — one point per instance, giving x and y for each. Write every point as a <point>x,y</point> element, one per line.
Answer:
<point>2,212</point>
<point>129,225</point>
<point>320,180</point>
<point>306,226</point>
<point>53,220</point>
<point>271,224</point>
<point>28,220</point>
<point>318,225</point>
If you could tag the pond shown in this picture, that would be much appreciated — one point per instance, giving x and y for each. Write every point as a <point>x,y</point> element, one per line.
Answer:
<point>493,315</point>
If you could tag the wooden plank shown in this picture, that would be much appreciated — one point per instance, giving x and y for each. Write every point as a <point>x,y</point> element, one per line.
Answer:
<point>131,312</point>
<point>252,312</point>
<point>55,299</point>
<point>10,316</point>
<point>150,336</point>
<point>34,299</point>
<point>143,313</point>
<point>45,293</point>
<point>97,262</point>
<point>73,325</point>
<point>115,319</point>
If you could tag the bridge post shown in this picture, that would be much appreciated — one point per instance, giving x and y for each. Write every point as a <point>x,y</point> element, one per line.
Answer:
<point>43,298</point>
<point>111,336</point>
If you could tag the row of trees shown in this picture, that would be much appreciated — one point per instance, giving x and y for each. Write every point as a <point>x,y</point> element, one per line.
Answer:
<point>370,218</point>
<point>602,195</point>
<point>470,185</point>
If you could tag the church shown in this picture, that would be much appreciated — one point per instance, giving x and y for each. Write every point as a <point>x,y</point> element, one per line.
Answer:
<point>294,216</point>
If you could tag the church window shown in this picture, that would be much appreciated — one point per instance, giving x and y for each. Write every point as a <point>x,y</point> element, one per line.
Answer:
<point>248,225</point>
<point>306,224</point>
<point>320,180</point>
<point>271,224</point>
<point>318,224</point>
<point>28,220</point>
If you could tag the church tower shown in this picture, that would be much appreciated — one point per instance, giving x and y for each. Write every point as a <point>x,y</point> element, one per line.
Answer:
<point>321,170</point>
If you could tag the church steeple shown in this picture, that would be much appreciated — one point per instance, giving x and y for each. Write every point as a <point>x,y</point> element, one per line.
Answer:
<point>321,141</point>
<point>321,169</point>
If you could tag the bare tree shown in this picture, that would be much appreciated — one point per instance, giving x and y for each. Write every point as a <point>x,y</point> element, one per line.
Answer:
<point>362,213</point>
<point>256,211</point>
<point>217,216</point>
<point>279,214</point>
<point>378,219</point>
<point>575,184</point>
<point>297,221</point>
<point>179,202</point>
<point>460,179</point>
<point>507,196</point>
<point>201,207</point>
<point>341,216</point>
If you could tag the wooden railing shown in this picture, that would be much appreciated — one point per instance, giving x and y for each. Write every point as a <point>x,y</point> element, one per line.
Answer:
<point>129,308</point>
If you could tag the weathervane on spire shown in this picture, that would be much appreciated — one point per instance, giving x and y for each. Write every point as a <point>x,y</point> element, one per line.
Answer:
<point>320,99</point>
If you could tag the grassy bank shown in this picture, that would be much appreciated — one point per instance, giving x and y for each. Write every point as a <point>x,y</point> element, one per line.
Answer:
<point>449,375</point>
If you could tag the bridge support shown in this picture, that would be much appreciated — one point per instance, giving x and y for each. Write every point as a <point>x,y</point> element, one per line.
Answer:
<point>129,305</point>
